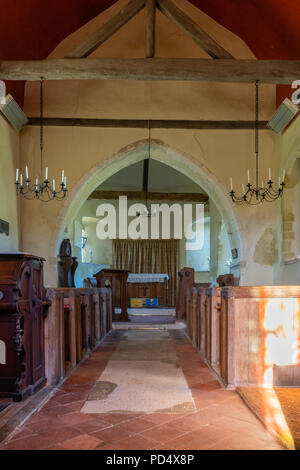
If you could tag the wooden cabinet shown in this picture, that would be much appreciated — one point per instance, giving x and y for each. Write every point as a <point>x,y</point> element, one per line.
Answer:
<point>22,308</point>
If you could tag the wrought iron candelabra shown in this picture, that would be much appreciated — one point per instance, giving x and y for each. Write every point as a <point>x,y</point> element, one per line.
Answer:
<point>42,189</point>
<point>255,194</point>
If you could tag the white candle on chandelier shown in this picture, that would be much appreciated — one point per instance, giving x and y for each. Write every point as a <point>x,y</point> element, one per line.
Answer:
<point>62,176</point>
<point>231,187</point>
<point>46,175</point>
<point>283,176</point>
<point>26,169</point>
<point>53,185</point>
<point>36,183</point>
<point>248,176</point>
<point>21,180</point>
<point>65,182</point>
<point>17,174</point>
<point>269,174</point>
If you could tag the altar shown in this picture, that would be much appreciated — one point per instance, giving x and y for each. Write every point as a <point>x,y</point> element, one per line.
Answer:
<point>148,286</point>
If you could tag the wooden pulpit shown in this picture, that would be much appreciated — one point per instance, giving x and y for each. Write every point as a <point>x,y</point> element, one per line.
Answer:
<point>116,279</point>
<point>22,308</point>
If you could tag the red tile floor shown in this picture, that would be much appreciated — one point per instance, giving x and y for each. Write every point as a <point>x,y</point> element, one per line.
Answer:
<point>221,421</point>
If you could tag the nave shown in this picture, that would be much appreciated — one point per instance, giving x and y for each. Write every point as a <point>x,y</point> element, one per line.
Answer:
<point>184,406</point>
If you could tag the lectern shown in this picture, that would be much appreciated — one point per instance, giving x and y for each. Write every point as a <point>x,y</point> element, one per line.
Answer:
<point>22,308</point>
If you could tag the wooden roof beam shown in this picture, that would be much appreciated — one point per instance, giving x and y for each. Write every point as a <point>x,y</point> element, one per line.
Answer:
<point>107,30</point>
<point>222,70</point>
<point>152,196</point>
<point>193,30</point>
<point>144,123</point>
<point>150,31</point>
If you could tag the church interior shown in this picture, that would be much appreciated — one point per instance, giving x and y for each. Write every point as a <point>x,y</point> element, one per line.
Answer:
<point>150,225</point>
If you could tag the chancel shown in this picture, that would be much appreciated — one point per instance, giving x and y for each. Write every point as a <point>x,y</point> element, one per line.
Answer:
<point>149,226</point>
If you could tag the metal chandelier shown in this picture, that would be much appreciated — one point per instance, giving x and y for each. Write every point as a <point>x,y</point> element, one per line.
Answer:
<point>42,189</point>
<point>255,194</point>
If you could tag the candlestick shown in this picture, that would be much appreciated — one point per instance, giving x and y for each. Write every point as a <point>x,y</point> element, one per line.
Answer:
<point>269,174</point>
<point>62,176</point>
<point>231,187</point>
<point>21,180</point>
<point>17,174</point>
<point>53,185</point>
<point>283,176</point>
<point>248,176</point>
<point>65,182</point>
<point>26,169</point>
<point>46,176</point>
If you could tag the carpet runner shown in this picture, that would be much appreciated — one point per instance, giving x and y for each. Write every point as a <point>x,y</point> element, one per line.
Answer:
<point>143,375</point>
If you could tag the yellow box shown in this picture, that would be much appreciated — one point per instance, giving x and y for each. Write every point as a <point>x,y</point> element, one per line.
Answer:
<point>136,303</point>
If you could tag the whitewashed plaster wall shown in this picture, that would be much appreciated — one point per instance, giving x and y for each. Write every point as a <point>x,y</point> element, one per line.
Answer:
<point>90,155</point>
<point>9,160</point>
<point>287,270</point>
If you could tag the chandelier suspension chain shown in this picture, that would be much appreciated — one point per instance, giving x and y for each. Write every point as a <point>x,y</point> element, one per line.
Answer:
<point>41,190</point>
<point>255,194</point>
<point>256,130</point>
<point>41,127</point>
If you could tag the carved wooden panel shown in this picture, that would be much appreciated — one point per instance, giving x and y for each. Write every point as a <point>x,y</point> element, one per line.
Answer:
<point>22,308</point>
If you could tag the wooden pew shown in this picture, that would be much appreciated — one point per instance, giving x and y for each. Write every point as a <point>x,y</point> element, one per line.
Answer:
<point>78,319</point>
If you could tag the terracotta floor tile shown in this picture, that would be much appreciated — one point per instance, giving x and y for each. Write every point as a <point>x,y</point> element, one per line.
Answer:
<point>137,425</point>
<point>82,442</point>
<point>117,418</point>
<point>24,432</point>
<point>112,434</point>
<point>43,425</point>
<point>71,419</point>
<point>56,411</point>
<point>136,442</point>
<point>106,447</point>
<point>92,426</point>
<point>163,433</point>
<point>29,443</point>
<point>160,418</point>
<point>61,433</point>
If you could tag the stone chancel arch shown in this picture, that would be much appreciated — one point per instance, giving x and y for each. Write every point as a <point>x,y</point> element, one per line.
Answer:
<point>162,153</point>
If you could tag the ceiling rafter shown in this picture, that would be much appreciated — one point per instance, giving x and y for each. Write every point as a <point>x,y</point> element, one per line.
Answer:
<point>150,25</point>
<point>107,30</point>
<point>193,30</point>
<point>170,10</point>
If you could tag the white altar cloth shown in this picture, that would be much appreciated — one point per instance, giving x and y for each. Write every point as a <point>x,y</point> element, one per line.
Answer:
<point>145,277</point>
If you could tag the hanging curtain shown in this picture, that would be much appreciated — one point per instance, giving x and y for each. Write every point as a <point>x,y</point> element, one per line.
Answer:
<point>149,256</point>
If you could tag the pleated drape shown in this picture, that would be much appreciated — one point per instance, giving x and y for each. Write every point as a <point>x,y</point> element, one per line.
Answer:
<point>149,256</point>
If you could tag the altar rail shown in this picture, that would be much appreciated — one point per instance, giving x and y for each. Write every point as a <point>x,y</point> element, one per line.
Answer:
<point>76,321</point>
<point>247,335</point>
